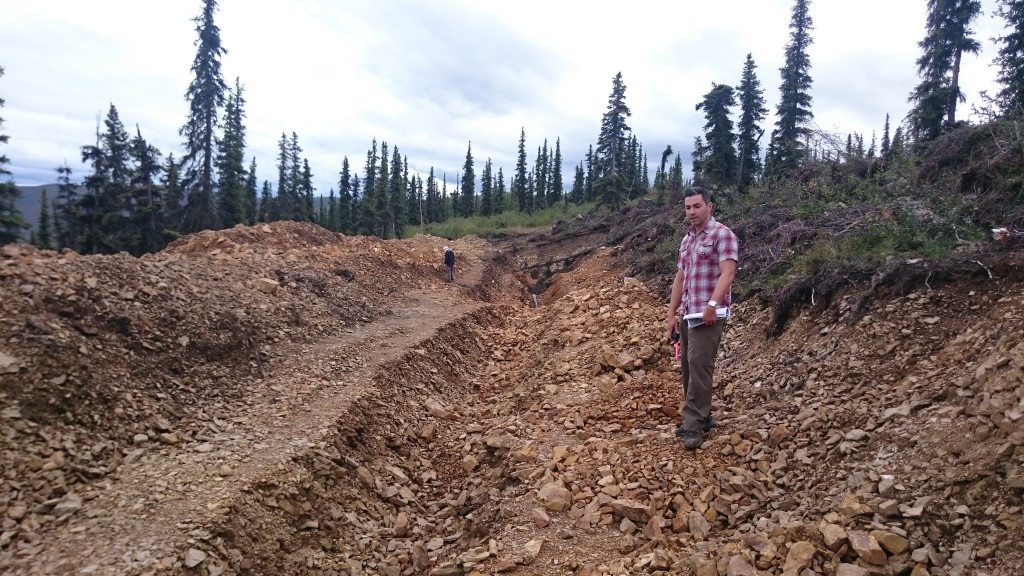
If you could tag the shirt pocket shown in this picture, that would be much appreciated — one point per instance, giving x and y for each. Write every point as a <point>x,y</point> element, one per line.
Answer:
<point>705,250</point>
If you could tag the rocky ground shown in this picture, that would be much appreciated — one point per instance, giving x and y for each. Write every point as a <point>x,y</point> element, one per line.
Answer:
<point>282,400</point>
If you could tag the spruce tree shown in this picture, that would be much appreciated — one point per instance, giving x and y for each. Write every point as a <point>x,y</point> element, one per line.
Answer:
<point>578,183</point>
<point>499,192</point>
<point>345,200</point>
<point>557,187</point>
<point>148,214</point>
<point>417,202</point>
<point>646,178</point>
<point>749,130</point>
<point>107,203</point>
<point>296,194</point>
<point>1010,58</point>
<point>486,191</point>
<point>252,201</point>
<point>588,184</point>
<point>519,188</point>
<point>947,37</point>
<point>284,207</point>
<point>630,171</point>
<point>468,193</point>
<point>661,177</point>
<point>332,222</point>
<point>306,190</point>
<point>367,216</point>
<point>540,169</point>
<point>267,202</point>
<point>788,146</point>
<point>433,198</point>
<point>381,207</point>
<point>396,195</point>
<point>698,156</point>
<point>612,142</point>
<point>205,96</point>
<point>173,195</point>
<point>886,141</point>
<point>231,185</point>
<point>66,206</point>
<point>11,220</point>
<point>719,164</point>
<point>44,231</point>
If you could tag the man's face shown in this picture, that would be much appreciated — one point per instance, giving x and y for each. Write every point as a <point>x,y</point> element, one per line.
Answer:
<point>698,212</point>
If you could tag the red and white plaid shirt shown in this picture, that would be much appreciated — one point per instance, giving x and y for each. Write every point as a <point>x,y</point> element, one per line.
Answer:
<point>699,256</point>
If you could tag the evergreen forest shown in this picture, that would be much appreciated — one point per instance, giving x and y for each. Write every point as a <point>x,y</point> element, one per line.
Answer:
<point>129,196</point>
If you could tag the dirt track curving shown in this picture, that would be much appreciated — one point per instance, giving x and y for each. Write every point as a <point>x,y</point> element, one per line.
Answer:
<point>281,400</point>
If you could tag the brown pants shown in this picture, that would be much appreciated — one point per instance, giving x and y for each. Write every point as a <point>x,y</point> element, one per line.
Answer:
<point>698,364</point>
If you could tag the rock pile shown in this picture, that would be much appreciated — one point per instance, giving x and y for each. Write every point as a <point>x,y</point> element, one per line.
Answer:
<point>885,442</point>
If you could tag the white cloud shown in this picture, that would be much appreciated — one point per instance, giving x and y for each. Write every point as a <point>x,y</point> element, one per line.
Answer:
<point>430,77</point>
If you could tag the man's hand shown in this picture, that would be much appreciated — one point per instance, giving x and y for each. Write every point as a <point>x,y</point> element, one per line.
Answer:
<point>710,315</point>
<point>671,325</point>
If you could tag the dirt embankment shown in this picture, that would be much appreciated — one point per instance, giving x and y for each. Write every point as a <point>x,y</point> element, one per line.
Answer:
<point>357,415</point>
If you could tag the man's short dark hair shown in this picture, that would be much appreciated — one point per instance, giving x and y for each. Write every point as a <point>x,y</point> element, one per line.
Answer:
<point>704,194</point>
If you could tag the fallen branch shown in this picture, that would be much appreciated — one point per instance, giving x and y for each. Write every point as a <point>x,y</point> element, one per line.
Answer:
<point>570,257</point>
<point>978,262</point>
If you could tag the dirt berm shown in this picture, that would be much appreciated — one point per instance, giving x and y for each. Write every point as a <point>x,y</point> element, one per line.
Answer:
<point>282,400</point>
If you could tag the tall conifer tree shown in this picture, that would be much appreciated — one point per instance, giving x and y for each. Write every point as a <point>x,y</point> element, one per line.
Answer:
<point>1010,58</point>
<point>612,142</point>
<point>396,195</point>
<point>11,220</point>
<point>486,192</point>
<point>788,147</point>
<point>557,188</point>
<point>884,151</point>
<point>719,163</point>
<point>345,200</point>
<point>947,36</point>
<point>148,213</point>
<point>231,185</point>
<point>519,189</point>
<point>468,195</point>
<point>749,130</point>
<point>205,96</point>
<point>252,202</point>
<point>499,192</point>
<point>44,230</point>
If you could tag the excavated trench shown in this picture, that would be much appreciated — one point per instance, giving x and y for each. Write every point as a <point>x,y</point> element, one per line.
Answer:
<point>539,441</point>
<point>877,439</point>
<point>360,500</point>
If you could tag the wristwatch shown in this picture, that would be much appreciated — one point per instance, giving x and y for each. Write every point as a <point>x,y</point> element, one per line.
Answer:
<point>712,304</point>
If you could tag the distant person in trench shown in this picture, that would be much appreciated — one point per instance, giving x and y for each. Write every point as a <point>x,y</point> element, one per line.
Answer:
<point>449,264</point>
<point>699,308</point>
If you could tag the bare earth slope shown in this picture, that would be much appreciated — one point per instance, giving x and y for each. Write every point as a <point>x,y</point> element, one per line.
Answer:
<point>282,400</point>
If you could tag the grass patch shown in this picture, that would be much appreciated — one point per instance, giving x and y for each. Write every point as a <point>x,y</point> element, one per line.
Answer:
<point>498,225</point>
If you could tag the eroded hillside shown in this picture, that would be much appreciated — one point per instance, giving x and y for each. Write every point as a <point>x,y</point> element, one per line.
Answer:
<point>282,400</point>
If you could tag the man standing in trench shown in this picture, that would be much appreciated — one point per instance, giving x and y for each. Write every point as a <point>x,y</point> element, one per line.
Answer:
<point>449,264</point>
<point>706,267</point>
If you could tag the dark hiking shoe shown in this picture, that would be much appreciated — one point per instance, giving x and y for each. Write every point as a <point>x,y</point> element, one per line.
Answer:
<point>710,423</point>
<point>691,439</point>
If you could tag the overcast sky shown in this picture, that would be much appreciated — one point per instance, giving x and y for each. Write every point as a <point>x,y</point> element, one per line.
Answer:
<point>431,76</point>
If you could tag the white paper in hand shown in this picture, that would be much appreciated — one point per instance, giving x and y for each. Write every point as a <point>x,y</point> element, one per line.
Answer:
<point>697,318</point>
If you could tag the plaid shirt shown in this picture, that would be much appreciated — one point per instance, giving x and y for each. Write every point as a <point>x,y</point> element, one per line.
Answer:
<point>699,256</point>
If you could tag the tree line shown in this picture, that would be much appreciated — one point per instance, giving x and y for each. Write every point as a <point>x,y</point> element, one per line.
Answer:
<point>133,198</point>
<point>727,155</point>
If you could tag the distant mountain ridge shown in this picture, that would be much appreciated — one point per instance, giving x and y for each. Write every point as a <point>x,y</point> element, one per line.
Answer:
<point>28,203</point>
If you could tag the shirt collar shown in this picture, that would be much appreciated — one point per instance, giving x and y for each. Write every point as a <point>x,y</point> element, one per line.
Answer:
<point>707,227</point>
